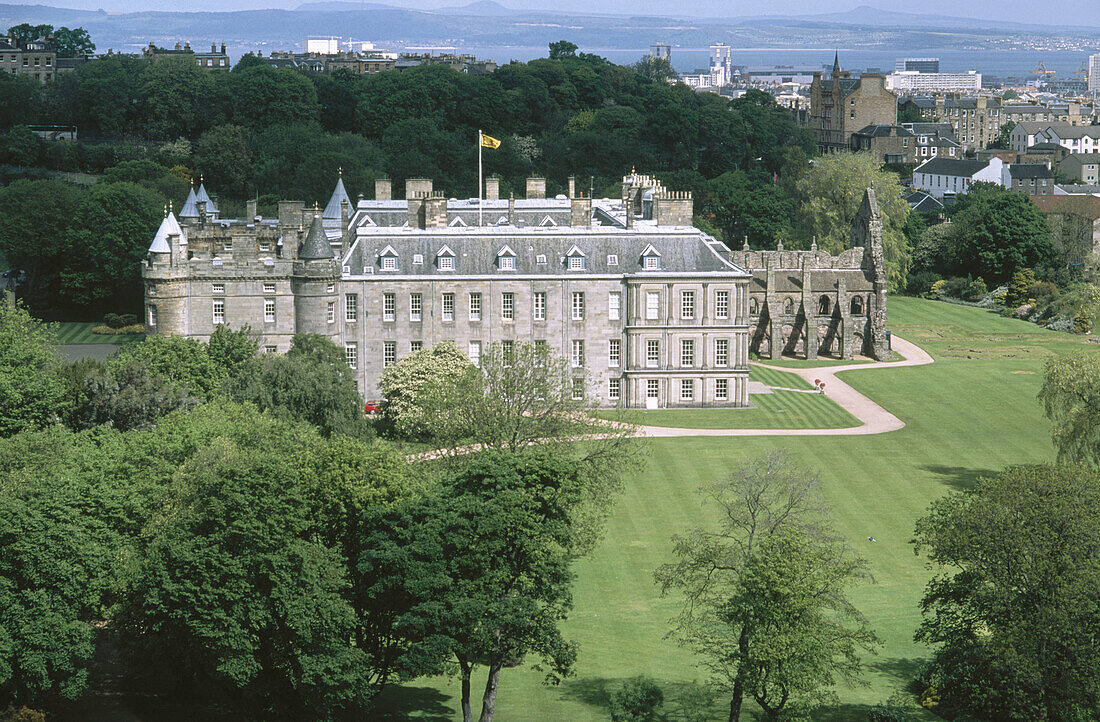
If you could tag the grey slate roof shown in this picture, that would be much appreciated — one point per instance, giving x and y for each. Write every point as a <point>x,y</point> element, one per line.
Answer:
<point>332,210</point>
<point>190,206</point>
<point>923,203</point>
<point>1030,170</point>
<point>477,251</point>
<point>316,245</point>
<point>884,131</point>
<point>1041,147</point>
<point>951,167</point>
<point>202,195</point>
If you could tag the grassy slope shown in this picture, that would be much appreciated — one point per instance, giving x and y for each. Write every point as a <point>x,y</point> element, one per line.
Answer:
<point>777,410</point>
<point>75,332</point>
<point>973,412</point>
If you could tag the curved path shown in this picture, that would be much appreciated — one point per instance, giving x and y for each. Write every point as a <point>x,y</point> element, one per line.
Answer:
<point>873,418</point>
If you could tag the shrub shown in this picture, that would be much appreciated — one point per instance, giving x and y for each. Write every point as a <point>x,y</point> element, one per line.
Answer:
<point>1045,293</point>
<point>1082,323</point>
<point>132,329</point>
<point>937,287</point>
<point>921,283</point>
<point>129,319</point>
<point>105,330</point>
<point>975,290</point>
<point>954,287</point>
<point>1021,287</point>
<point>114,320</point>
<point>636,701</point>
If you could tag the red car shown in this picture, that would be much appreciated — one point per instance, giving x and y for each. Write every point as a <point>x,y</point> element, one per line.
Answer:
<point>372,407</point>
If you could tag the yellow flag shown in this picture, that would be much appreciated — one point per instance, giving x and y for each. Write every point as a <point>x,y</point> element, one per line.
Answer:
<point>489,142</point>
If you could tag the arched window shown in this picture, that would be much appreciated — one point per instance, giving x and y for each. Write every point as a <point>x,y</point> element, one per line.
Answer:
<point>788,306</point>
<point>823,306</point>
<point>754,308</point>
<point>857,305</point>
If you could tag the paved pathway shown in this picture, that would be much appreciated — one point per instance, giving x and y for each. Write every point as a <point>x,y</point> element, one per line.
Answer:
<point>873,418</point>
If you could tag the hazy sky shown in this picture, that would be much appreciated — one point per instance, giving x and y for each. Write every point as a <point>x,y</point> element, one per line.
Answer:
<point>1052,12</point>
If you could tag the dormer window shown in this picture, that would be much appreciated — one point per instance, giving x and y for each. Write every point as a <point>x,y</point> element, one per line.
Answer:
<point>418,259</point>
<point>540,259</point>
<point>445,259</point>
<point>389,263</point>
<point>506,259</point>
<point>651,259</point>
<point>265,247</point>
<point>612,260</point>
<point>575,260</point>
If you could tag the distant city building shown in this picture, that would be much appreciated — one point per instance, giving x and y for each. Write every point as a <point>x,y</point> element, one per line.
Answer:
<point>36,59</point>
<point>941,177</point>
<point>910,81</point>
<point>917,65</point>
<point>907,143</point>
<point>323,46</point>
<point>721,64</point>
<point>842,105</point>
<point>1094,73</point>
<point>1081,167</point>
<point>780,74</point>
<point>660,51</point>
<point>214,60</point>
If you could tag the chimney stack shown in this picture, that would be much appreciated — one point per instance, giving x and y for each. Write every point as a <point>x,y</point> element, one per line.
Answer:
<point>250,210</point>
<point>629,215</point>
<point>418,188</point>
<point>290,215</point>
<point>572,186</point>
<point>673,208</point>
<point>580,211</point>
<point>383,189</point>
<point>492,188</point>
<point>202,212</point>
<point>435,211</point>
<point>536,188</point>
<point>223,48</point>
<point>511,209</point>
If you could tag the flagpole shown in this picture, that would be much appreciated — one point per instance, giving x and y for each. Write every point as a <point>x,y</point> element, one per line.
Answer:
<point>479,191</point>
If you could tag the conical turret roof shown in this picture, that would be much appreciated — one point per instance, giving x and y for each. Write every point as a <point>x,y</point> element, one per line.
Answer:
<point>316,245</point>
<point>190,206</point>
<point>202,195</point>
<point>168,227</point>
<point>339,194</point>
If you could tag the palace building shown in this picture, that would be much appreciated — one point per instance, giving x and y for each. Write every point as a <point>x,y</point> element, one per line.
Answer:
<point>648,310</point>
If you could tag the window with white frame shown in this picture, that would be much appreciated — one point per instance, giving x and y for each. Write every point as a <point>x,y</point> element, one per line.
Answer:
<point>614,352</point>
<point>331,312</point>
<point>271,349</point>
<point>351,307</point>
<point>416,307</point>
<point>721,389</point>
<point>508,306</point>
<point>446,263</point>
<point>687,305</point>
<point>418,259</point>
<point>614,389</point>
<point>474,350</point>
<point>612,260</point>
<point>330,288</point>
<point>721,351</point>
<point>578,389</point>
<point>507,263</point>
<point>448,307</point>
<point>687,352</point>
<point>721,304</point>
<point>269,288</point>
<point>652,388</point>
<point>415,346</point>
<point>269,310</point>
<point>351,354</point>
<point>652,353</point>
<point>687,389</point>
<point>540,259</point>
<point>614,305</point>
<point>265,247</point>
<point>540,306</point>
<point>576,263</point>
<point>578,306</point>
<point>577,355</point>
<point>219,311</point>
<point>475,306</point>
<point>217,288</point>
<point>652,304</point>
<point>507,352</point>
<point>389,353</point>
<point>652,263</point>
<point>389,263</point>
<point>152,317</point>
<point>389,306</point>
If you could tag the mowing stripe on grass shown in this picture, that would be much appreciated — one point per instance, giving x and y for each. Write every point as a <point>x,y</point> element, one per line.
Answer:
<point>782,379</point>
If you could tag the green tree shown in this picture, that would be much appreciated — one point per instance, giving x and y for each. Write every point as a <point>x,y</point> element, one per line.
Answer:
<point>31,389</point>
<point>1013,613</point>
<point>224,156</point>
<point>231,349</point>
<point>128,396</point>
<point>150,175</point>
<point>26,33</point>
<point>659,70</point>
<point>263,96</point>
<point>74,42</point>
<point>107,240</point>
<point>562,49</point>
<point>1000,232</point>
<point>1071,399</point>
<point>33,218</point>
<point>748,205</point>
<point>179,98</point>
<point>184,361</point>
<point>1004,137</point>
<point>235,595</point>
<point>830,194</point>
<point>311,383</point>
<point>20,99</point>
<point>637,700</point>
<point>109,95</point>
<point>765,594</point>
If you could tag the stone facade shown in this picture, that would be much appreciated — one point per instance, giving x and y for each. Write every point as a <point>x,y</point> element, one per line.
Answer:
<point>648,310</point>
<point>842,105</point>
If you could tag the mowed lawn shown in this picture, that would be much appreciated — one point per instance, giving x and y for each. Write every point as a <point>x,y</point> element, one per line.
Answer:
<point>76,332</point>
<point>973,412</point>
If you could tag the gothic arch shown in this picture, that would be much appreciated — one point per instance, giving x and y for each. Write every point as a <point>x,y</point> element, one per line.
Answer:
<point>824,306</point>
<point>857,305</point>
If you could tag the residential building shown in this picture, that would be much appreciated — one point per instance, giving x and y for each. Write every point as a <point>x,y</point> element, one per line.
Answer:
<point>1025,112</point>
<point>947,176</point>
<point>840,105</point>
<point>36,59</point>
<point>1029,133</point>
<point>648,310</point>
<point>721,64</point>
<point>780,74</point>
<point>1081,167</point>
<point>901,144</point>
<point>976,122</point>
<point>925,106</point>
<point>1032,179</point>
<point>1046,153</point>
<point>1075,226</point>
<point>922,202</point>
<point>1094,73</point>
<point>216,59</point>
<point>910,81</point>
<point>1076,139</point>
<point>660,51</point>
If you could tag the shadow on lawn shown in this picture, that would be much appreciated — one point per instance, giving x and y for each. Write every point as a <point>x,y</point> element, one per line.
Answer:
<point>959,478</point>
<point>422,703</point>
<point>596,692</point>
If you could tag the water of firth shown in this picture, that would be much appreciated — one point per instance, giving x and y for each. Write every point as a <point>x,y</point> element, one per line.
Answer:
<point>1000,63</point>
